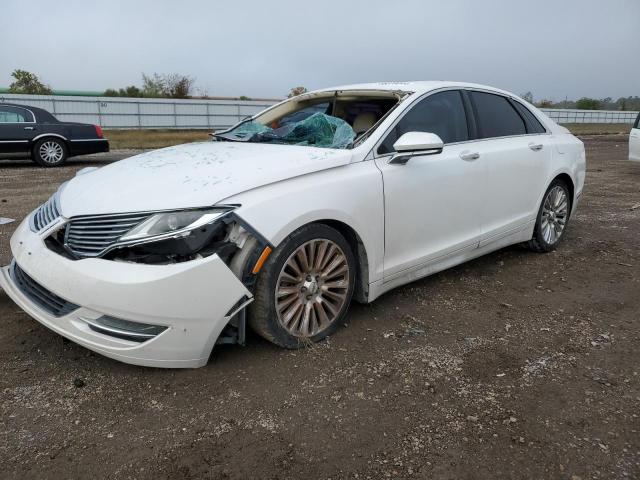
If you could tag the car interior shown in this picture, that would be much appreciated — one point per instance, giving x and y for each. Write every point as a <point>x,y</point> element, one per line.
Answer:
<point>361,110</point>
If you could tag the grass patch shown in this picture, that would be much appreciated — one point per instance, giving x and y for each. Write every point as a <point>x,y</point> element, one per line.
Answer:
<point>149,139</point>
<point>598,128</point>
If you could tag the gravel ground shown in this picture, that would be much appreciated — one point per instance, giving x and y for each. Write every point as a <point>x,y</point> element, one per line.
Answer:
<point>515,365</point>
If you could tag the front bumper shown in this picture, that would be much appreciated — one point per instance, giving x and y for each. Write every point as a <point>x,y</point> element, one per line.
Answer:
<point>195,300</point>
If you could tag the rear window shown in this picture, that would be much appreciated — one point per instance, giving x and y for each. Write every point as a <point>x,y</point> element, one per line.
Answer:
<point>532,123</point>
<point>637,125</point>
<point>496,116</point>
<point>9,114</point>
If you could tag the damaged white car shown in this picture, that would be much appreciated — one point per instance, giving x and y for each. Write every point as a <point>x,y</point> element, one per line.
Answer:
<point>283,219</point>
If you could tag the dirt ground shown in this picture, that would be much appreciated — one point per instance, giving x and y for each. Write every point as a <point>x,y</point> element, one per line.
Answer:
<point>515,365</point>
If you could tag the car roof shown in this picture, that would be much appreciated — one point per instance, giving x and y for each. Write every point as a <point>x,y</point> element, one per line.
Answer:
<point>416,87</point>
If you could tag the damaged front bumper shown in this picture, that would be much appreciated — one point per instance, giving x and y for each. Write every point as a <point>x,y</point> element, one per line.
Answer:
<point>190,303</point>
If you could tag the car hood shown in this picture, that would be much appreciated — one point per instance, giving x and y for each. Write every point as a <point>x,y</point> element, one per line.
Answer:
<point>191,175</point>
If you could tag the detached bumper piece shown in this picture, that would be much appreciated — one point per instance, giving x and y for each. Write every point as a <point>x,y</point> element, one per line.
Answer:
<point>48,301</point>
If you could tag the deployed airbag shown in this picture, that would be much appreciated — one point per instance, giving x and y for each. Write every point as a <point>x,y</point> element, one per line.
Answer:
<point>317,130</point>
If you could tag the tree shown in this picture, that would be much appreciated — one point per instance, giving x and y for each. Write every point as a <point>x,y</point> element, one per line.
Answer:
<point>588,104</point>
<point>153,86</point>
<point>528,97</point>
<point>295,91</point>
<point>27,82</point>
<point>244,97</point>
<point>130,91</point>
<point>167,85</point>
<point>177,86</point>
<point>545,104</point>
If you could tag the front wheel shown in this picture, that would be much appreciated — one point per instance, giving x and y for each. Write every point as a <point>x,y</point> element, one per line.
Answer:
<point>50,152</point>
<point>305,287</point>
<point>552,218</point>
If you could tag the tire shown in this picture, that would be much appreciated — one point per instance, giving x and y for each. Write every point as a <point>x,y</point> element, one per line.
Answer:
<point>50,152</point>
<point>320,293</point>
<point>553,218</point>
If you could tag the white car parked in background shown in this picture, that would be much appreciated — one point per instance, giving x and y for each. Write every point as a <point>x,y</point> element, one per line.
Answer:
<point>634,141</point>
<point>338,193</point>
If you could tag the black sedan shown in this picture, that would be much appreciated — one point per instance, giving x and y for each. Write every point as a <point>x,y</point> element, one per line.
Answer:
<point>34,132</point>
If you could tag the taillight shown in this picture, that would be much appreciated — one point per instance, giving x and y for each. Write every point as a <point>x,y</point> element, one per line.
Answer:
<point>98,130</point>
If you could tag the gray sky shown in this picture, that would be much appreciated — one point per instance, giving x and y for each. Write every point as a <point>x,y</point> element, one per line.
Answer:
<point>263,48</point>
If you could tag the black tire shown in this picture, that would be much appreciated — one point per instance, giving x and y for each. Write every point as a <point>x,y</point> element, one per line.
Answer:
<point>54,144</point>
<point>263,317</point>
<point>538,243</point>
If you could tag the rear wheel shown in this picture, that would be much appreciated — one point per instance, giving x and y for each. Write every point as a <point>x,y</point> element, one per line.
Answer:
<point>305,287</point>
<point>553,217</point>
<point>50,152</point>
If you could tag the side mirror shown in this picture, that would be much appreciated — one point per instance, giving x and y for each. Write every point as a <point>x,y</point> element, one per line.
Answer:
<point>416,143</point>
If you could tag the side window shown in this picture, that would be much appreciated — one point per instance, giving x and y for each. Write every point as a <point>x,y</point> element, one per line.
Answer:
<point>638,121</point>
<point>496,117</point>
<point>14,115</point>
<point>533,124</point>
<point>441,113</point>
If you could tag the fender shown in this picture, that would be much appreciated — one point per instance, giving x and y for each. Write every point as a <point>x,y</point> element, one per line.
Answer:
<point>42,135</point>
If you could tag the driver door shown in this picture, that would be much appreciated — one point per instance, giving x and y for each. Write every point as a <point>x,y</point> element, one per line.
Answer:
<point>433,203</point>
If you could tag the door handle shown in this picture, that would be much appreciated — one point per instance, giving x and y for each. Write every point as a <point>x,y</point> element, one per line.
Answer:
<point>466,155</point>
<point>536,146</point>
<point>29,128</point>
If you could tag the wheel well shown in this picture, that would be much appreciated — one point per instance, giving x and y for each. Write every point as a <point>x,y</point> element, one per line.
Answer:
<point>45,137</point>
<point>567,180</point>
<point>361,291</point>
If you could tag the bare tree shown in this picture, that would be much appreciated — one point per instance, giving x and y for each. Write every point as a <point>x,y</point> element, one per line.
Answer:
<point>528,97</point>
<point>178,86</point>
<point>295,91</point>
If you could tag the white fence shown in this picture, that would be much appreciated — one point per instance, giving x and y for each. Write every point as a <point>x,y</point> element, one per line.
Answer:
<point>590,116</point>
<point>134,113</point>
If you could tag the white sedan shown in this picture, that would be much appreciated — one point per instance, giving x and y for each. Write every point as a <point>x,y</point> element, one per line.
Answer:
<point>634,141</point>
<point>334,195</point>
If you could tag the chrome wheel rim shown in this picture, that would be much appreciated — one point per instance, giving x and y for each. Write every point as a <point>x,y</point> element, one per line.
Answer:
<point>312,288</point>
<point>51,152</point>
<point>554,214</point>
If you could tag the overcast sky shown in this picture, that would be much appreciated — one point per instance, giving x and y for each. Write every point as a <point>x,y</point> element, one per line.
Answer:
<point>263,48</point>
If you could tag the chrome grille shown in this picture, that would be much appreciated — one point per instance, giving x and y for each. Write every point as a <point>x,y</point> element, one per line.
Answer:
<point>39,295</point>
<point>45,214</point>
<point>91,236</point>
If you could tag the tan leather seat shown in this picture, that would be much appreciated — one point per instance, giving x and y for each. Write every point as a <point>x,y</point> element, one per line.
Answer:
<point>364,122</point>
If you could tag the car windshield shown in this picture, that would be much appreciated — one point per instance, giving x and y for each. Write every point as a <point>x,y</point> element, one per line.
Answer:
<point>331,120</point>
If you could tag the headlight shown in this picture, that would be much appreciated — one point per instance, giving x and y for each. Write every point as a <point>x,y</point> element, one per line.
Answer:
<point>170,224</point>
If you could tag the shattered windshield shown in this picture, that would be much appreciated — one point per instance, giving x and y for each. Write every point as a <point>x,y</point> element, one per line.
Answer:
<point>334,120</point>
<point>317,130</point>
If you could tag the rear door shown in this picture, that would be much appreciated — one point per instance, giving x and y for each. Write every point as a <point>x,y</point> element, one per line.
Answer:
<point>634,141</point>
<point>517,151</point>
<point>17,128</point>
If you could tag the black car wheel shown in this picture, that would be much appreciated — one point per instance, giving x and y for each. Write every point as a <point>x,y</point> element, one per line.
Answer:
<point>50,152</point>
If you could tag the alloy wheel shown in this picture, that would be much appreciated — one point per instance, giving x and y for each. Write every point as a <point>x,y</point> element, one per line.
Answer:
<point>554,214</point>
<point>51,152</point>
<point>312,288</point>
